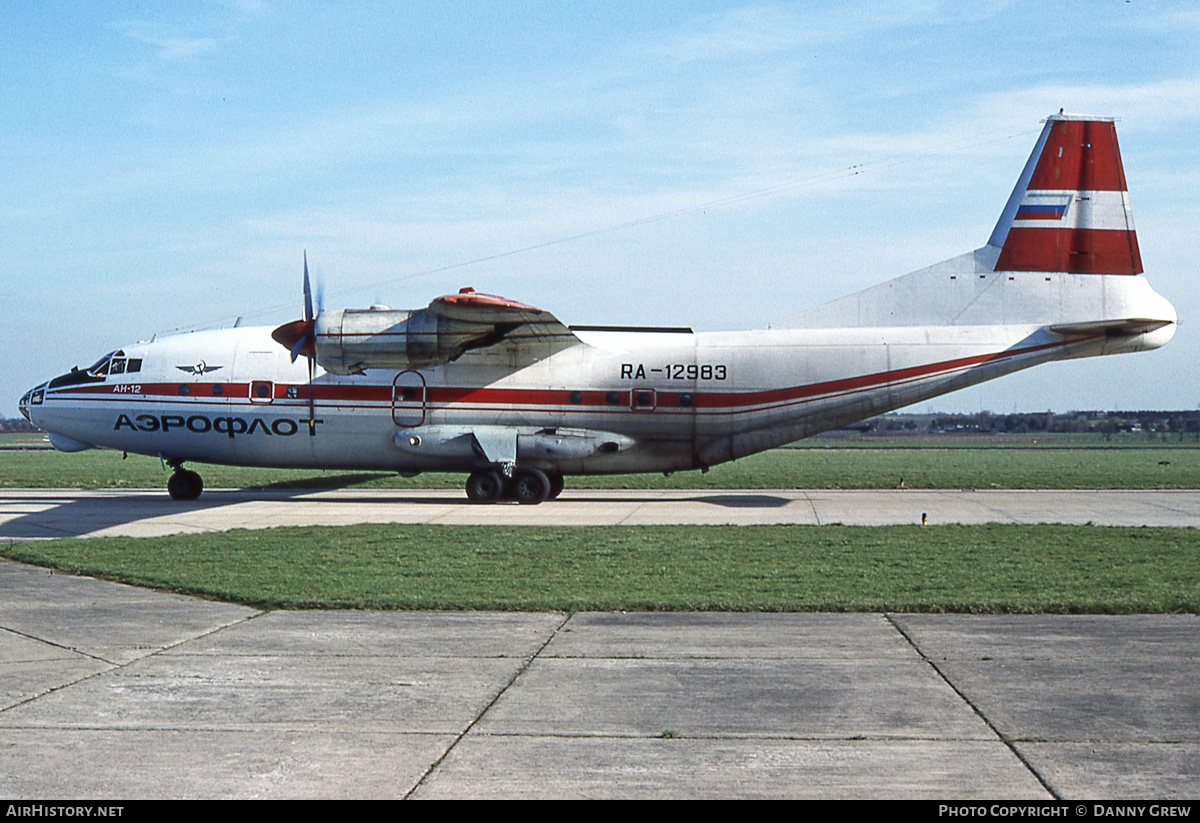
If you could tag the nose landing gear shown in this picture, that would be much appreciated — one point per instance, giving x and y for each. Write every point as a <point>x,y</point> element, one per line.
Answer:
<point>184,484</point>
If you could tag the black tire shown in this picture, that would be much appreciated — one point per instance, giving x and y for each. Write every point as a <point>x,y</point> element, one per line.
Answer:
<point>556,486</point>
<point>530,486</point>
<point>185,485</point>
<point>484,486</point>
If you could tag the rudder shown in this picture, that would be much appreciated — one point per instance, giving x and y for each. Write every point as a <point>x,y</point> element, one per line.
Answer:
<point>1070,210</point>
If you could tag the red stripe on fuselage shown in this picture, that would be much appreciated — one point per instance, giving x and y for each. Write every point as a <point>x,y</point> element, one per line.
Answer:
<point>863,381</point>
<point>542,399</point>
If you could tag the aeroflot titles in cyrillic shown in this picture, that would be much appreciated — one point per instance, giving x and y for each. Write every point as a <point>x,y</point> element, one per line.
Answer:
<point>228,426</point>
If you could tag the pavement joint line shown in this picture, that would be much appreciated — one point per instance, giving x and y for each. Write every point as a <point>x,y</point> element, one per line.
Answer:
<point>1009,743</point>
<point>1007,516</point>
<point>637,508</point>
<point>113,665</point>
<point>797,738</point>
<point>438,517</point>
<point>812,505</point>
<point>71,649</point>
<point>1003,515</point>
<point>459,737</point>
<point>1175,509</point>
<point>202,729</point>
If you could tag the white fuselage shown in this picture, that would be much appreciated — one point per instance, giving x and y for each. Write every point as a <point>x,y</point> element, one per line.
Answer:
<point>616,401</point>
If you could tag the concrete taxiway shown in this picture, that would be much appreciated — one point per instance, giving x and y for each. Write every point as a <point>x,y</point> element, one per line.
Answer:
<point>108,691</point>
<point>26,514</point>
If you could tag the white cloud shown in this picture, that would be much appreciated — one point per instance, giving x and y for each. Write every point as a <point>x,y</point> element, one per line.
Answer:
<point>1153,105</point>
<point>171,44</point>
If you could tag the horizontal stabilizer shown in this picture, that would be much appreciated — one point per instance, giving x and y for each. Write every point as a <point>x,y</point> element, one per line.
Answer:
<point>1110,328</point>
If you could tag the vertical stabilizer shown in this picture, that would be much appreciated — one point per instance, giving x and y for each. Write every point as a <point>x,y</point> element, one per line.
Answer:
<point>1070,210</point>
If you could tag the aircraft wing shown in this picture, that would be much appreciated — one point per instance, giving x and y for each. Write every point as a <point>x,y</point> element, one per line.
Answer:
<point>349,341</point>
<point>511,321</point>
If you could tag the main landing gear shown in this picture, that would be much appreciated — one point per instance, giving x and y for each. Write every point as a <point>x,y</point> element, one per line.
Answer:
<point>527,486</point>
<point>184,484</point>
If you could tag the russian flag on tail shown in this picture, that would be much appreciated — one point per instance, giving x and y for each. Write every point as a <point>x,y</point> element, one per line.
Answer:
<point>1042,211</point>
<point>1070,210</point>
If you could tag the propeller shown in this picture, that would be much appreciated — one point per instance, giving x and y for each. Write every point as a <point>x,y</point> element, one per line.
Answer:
<point>299,337</point>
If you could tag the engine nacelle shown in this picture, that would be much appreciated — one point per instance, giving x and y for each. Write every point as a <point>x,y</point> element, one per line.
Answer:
<point>353,340</point>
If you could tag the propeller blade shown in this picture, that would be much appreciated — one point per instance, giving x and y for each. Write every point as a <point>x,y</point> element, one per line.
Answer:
<point>308,302</point>
<point>312,411</point>
<point>308,344</point>
<point>299,336</point>
<point>299,346</point>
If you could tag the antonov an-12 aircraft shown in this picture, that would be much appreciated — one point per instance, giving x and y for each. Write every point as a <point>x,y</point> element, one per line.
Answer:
<point>509,395</point>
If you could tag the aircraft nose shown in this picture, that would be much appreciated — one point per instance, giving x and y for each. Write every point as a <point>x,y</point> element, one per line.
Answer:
<point>29,400</point>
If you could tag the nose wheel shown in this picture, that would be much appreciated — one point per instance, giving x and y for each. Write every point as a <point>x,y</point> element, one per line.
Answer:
<point>184,484</point>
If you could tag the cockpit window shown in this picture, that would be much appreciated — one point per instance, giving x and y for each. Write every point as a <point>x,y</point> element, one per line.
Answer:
<point>100,367</point>
<point>112,363</point>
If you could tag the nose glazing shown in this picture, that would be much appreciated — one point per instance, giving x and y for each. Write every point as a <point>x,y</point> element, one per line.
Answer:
<point>31,398</point>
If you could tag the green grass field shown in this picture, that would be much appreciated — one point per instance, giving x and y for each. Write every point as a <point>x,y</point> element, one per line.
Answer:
<point>23,440</point>
<point>997,568</point>
<point>1020,466</point>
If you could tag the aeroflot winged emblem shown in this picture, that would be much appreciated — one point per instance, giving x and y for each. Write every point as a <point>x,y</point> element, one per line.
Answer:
<point>199,369</point>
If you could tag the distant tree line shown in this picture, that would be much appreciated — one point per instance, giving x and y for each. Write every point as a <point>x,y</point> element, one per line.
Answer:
<point>16,424</point>
<point>1074,422</point>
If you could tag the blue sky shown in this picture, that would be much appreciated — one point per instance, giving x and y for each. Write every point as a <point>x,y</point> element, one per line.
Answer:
<point>718,165</point>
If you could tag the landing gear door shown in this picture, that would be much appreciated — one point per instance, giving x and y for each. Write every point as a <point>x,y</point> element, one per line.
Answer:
<point>408,399</point>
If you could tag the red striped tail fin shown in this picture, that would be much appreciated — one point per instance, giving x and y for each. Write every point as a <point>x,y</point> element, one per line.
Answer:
<point>1070,210</point>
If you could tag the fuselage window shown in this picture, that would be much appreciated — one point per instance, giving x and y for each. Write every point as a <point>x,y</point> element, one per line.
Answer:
<point>134,364</point>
